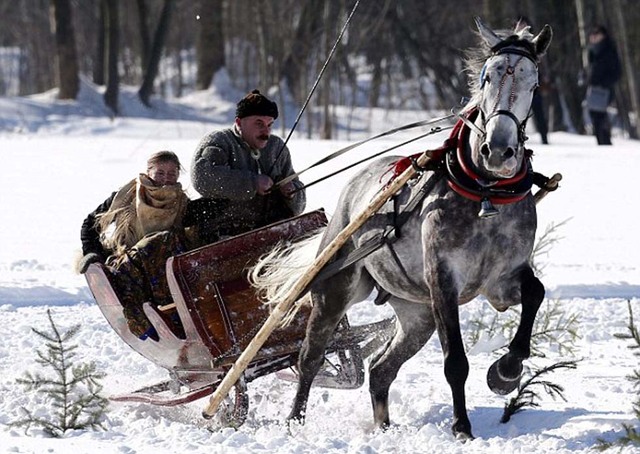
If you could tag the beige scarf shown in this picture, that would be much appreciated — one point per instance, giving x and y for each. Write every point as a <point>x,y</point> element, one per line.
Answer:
<point>140,208</point>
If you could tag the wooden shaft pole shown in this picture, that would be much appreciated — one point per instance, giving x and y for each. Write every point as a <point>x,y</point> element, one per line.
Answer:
<point>281,309</point>
<point>551,185</point>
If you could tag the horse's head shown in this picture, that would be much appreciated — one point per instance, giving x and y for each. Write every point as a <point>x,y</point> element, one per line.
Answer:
<point>503,90</point>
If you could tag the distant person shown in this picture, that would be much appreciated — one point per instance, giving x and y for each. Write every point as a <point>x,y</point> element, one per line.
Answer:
<point>134,231</point>
<point>537,102</point>
<point>243,165</point>
<point>603,73</point>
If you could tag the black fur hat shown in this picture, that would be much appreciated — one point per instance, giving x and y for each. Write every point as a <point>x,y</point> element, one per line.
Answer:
<point>256,103</point>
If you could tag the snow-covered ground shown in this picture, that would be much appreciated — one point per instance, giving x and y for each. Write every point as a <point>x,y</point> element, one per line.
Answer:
<point>62,159</point>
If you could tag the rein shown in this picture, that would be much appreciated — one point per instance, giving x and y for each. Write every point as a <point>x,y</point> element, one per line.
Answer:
<point>315,84</point>
<point>389,132</point>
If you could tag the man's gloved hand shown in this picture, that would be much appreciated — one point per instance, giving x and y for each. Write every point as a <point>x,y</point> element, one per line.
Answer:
<point>263,184</point>
<point>87,260</point>
<point>288,189</point>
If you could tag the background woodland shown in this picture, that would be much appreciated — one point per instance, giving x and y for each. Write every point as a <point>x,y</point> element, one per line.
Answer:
<point>396,54</point>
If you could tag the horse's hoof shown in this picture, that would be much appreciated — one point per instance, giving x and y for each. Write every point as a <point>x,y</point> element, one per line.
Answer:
<point>381,426</point>
<point>461,429</point>
<point>295,421</point>
<point>464,437</point>
<point>504,375</point>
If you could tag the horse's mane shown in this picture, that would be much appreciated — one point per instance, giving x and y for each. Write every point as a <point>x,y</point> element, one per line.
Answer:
<point>476,57</point>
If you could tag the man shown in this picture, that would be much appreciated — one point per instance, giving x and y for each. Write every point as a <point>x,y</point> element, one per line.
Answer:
<point>244,165</point>
<point>604,72</point>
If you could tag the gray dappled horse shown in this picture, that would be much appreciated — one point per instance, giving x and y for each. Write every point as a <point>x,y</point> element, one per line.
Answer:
<point>446,254</point>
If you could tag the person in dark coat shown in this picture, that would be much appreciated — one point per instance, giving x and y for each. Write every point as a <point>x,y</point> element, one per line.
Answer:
<point>135,230</point>
<point>244,165</point>
<point>162,170</point>
<point>603,72</point>
<point>152,202</point>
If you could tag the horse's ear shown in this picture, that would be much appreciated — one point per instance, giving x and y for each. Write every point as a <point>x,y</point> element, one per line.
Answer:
<point>542,41</point>
<point>487,34</point>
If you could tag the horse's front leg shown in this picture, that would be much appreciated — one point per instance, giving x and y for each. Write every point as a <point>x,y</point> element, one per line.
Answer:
<point>504,375</point>
<point>444,299</point>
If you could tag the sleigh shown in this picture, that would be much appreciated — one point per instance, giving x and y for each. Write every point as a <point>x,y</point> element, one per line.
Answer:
<point>219,313</point>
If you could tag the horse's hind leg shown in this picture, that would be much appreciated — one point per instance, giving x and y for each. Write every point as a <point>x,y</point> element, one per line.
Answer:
<point>504,375</point>
<point>329,307</point>
<point>414,326</point>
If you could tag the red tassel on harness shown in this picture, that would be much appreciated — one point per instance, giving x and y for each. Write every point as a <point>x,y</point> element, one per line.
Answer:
<point>438,154</point>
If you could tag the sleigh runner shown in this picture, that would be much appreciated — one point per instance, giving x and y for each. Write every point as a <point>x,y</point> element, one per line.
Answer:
<point>219,313</point>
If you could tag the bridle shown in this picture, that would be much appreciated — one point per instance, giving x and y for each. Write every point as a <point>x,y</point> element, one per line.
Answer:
<point>507,48</point>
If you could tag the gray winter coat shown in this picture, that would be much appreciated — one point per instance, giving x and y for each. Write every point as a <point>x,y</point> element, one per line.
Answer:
<point>223,168</point>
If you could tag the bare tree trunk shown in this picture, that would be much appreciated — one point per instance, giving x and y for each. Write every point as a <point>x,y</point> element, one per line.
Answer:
<point>210,42</point>
<point>145,38</point>
<point>67,58</point>
<point>261,45</point>
<point>306,31</point>
<point>98,62</point>
<point>156,52</point>
<point>327,125</point>
<point>112,39</point>
<point>634,133</point>
<point>582,31</point>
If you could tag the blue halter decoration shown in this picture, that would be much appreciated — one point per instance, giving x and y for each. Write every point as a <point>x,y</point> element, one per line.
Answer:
<point>482,73</point>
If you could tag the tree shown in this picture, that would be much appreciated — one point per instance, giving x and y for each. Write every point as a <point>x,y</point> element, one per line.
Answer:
<point>74,390</point>
<point>209,42</point>
<point>67,59</point>
<point>145,36</point>
<point>151,71</point>
<point>112,41</point>
<point>98,62</point>
<point>306,32</point>
<point>632,93</point>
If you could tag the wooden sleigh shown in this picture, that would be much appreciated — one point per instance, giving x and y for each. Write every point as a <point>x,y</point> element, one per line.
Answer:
<point>220,314</point>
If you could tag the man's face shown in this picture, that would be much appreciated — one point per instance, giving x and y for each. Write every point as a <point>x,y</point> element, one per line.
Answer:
<point>255,130</point>
<point>164,173</point>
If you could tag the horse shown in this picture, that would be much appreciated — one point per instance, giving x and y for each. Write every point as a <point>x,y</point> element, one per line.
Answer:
<point>454,244</point>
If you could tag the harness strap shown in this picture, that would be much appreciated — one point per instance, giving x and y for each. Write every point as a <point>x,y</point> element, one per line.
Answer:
<point>388,236</point>
<point>403,270</point>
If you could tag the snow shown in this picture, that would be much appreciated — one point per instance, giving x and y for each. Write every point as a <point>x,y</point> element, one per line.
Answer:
<point>62,159</point>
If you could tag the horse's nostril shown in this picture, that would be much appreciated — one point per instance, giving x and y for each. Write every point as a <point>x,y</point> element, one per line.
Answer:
<point>484,150</point>
<point>510,153</point>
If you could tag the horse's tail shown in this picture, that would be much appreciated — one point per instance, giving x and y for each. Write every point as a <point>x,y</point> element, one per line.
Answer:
<point>276,272</point>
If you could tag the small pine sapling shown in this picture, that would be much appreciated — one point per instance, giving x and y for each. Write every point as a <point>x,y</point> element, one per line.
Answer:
<point>527,391</point>
<point>547,240</point>
<point>632,435</point>
<point>553,327</point>
<point>74,390</point>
